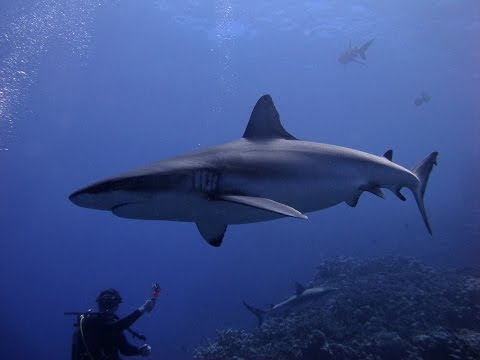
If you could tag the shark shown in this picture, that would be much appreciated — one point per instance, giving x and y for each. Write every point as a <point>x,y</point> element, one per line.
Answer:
<point>301,296</point>
<point>265,175</point>
<point>423,98</point>
<point>352,53</point>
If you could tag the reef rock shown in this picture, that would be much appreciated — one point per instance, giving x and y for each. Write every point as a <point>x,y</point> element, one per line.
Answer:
<point>385,308</point>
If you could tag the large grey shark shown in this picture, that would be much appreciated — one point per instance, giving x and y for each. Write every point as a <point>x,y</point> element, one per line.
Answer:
<point>301,296</point>
<point>265,175</point>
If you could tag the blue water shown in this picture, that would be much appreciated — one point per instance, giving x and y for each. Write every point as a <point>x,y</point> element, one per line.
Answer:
<point>89,89</point>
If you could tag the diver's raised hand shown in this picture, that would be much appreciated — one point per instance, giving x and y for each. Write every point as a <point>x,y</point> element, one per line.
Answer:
<point>148,306</point>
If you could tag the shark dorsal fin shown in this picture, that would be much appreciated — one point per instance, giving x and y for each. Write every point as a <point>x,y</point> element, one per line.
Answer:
<point>388,154</point>
<point>299,289</point>
<point>265,122</point>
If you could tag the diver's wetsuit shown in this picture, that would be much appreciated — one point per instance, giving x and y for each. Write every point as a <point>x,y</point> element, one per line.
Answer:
<point>104,336</point>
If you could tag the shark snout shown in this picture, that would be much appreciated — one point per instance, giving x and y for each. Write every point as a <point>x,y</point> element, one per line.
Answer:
<point>93,197</point>
<point>83,198</point>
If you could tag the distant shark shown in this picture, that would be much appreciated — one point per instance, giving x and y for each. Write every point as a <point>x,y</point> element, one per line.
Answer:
<point>352,53</point>
<point>265,175</point>
<point>301,296</point>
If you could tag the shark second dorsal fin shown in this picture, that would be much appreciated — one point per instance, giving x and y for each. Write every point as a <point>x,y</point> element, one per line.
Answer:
<point>265,122</point>
<point>299,289</point>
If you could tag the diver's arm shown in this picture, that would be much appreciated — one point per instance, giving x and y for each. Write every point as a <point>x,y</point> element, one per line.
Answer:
<point>126,322</point>
<point>126,348</point>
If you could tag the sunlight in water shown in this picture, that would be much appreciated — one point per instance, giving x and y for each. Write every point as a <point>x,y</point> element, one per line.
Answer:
<point>224,43</point>
<point>26,33</point>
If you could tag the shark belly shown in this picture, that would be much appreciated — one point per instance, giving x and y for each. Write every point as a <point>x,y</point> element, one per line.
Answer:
<point>306,194</point>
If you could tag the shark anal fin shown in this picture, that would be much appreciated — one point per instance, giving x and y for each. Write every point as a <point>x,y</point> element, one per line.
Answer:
<point>263,204</point>
<point>399,195</point>
<point>265,122</point>
<point>299,288</point>
<point>388,155</point>
<point>212,232</point>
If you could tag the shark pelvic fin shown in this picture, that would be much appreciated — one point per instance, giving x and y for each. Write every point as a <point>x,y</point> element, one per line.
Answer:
<point>263,204</point>
<point>354,200</point>
<point>373,189</point>
<point>212,233</point>
<point>388,155</point>
<point>265,122</point>
<point>299,288</point>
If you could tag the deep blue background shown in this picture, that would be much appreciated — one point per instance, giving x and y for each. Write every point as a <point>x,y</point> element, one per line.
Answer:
<point>154,80</point>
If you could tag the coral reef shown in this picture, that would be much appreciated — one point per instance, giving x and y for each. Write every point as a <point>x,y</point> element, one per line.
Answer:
<point>385,308</point>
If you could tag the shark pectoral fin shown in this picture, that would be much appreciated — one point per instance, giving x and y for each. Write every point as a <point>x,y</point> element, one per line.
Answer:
<point>299,288</point>
<point>212,232</point>
<point>263,204</point>
<point>373,189</point>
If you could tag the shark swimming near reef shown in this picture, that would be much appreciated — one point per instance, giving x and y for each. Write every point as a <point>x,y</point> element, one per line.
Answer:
<point>301,296</point>
<point>265,175</point>
<point>352,53</point>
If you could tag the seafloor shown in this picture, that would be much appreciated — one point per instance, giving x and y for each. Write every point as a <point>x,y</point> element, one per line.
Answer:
<point>385,308</point>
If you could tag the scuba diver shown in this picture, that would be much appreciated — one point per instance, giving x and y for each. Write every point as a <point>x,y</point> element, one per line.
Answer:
<point>100,334</point>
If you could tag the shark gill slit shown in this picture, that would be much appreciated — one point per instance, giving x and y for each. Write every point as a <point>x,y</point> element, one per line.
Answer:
<point>205,181</point>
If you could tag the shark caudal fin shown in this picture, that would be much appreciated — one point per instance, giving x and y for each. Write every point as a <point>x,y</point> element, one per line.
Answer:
<point>260,314</point>
<point>364,48</point>
<point>422,171</point>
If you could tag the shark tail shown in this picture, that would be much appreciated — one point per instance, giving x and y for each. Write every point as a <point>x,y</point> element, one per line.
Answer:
<point>422,171</point>
<point>260,314</point>
<point>364,48</point>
